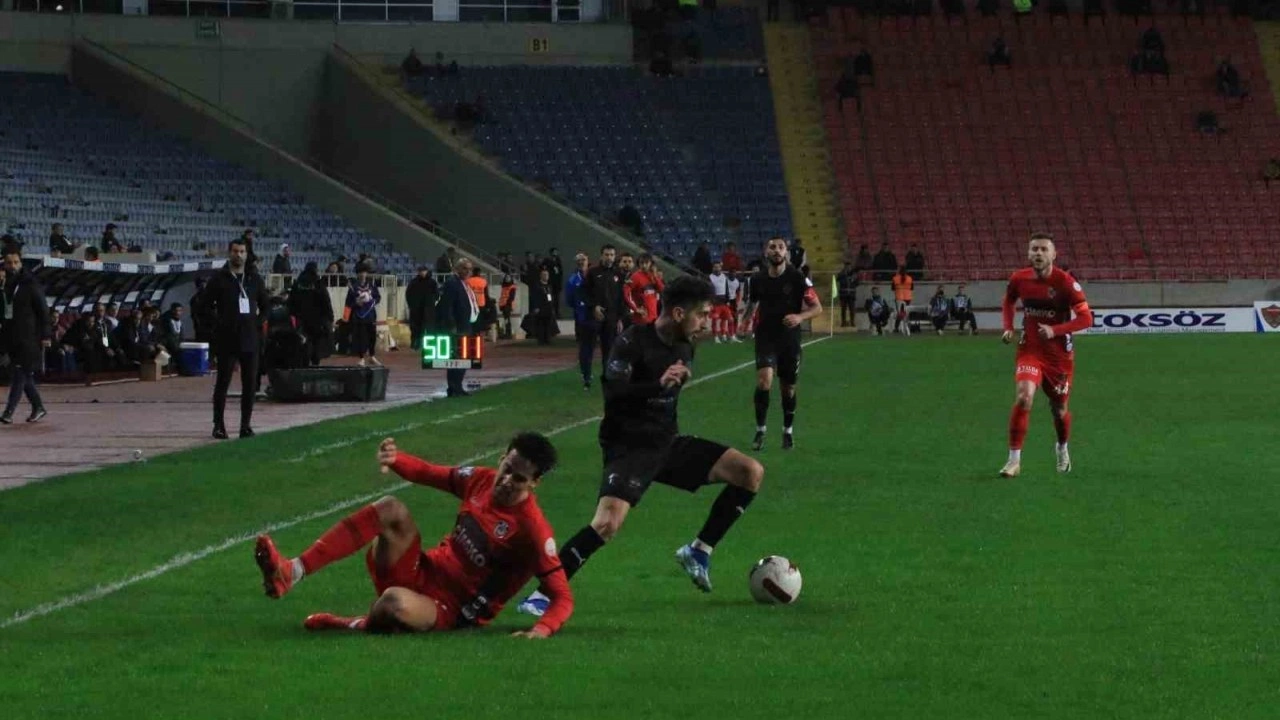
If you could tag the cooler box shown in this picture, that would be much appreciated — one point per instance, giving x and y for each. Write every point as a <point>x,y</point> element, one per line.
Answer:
<point>193,358</point>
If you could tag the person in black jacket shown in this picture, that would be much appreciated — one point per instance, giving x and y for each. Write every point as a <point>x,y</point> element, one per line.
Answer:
<point>555,271</point>
<point>542,308</point>
<point>455,314</point>
<point>236,298</point>
<point>604,291</point>
<point>309,302</point>
<point>421,296</point>
<point>26,333</point>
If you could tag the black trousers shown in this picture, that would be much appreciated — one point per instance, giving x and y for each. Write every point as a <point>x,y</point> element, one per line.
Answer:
<point>847,305</point>
<point>966,316</point>
<point>608,331</point>
<point>227,361</point>
<point>453,380</point>
<point>585,332</point>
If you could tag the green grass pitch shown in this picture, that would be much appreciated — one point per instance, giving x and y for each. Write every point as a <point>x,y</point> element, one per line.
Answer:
<point>1142,585</point>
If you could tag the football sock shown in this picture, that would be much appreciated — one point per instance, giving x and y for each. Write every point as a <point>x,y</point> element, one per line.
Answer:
<point>1062,446</point>
<point>1063,426</point>
<point>1017,427</point>
<point>299,570</point>
<point>1015,456</point>
<point>762,406</point>
<point>730,504</point>
<point>346,538</point>
<point>701,546</point>
<point>788,411</point>
<point>579,549</point>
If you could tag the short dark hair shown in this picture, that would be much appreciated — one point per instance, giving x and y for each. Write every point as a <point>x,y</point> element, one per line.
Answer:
<point>687,291</point>
<point>626,253</point>
<point>643,258</point>
<point>238,241</point>
<point>537,449</point>
<point>607,246</point>
<point>1042,235</point>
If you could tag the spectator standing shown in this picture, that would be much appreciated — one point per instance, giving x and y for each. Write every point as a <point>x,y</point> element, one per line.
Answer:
<point>412,66</point>
<point>799,256</point>
<point>529,268</point>
<point>444,263</point>
<point>585,329</point>
<point>847,287</point>
<point>864,66</point>
<point>730,260</point>
<point>939,310</point>
<point>884,264</point>
<point>702,259</point>
<point>962,310</point>
<point>236,298</point>
<point>542,308</point>
<point>24,335</point>
<point>281,265</point>
<point>457,311</point>
<point>310,303</point>
<point>862,263</point>
<point>878,311</point>
<point>362,302</point>
<point>999,55</point>
<point>555,271</point>
<point>915,263</point>
<point>421,296</point>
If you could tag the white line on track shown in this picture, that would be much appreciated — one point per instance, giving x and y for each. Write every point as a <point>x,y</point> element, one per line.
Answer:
<point>184,559</point>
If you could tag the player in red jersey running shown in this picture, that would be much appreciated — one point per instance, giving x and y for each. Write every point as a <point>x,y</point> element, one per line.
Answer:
<point>1053,307</point>
<point>500,541</point>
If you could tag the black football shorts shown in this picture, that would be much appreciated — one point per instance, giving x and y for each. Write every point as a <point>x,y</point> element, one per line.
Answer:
<point>781,354</point>
<point>685,464</point>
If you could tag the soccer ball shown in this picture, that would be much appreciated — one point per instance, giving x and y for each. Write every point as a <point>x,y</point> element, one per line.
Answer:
<point>775,580</point>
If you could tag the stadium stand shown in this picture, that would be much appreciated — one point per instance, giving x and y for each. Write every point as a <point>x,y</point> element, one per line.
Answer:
<point>961,157</point>
<point>67,157</point>
<point>697,155</point>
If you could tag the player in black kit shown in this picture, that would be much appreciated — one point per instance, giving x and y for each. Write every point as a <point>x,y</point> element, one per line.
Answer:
<point>642,445</point>
<point>785,299</point>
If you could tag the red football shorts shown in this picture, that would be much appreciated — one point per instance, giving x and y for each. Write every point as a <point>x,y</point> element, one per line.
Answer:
<point>722,312</point>
<point>410,571</point>
<point>1053,376</point>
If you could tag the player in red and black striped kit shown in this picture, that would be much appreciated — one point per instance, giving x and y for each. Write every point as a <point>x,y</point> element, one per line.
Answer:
<point>1053,307</point>
<point>499,541</point>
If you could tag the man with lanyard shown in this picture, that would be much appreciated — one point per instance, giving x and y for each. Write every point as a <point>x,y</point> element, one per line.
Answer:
<point>237,299</point>
<point>962,310</point>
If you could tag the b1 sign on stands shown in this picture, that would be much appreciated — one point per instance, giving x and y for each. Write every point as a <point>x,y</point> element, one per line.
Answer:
<point>1267,316</point>
<point>1122,321</point>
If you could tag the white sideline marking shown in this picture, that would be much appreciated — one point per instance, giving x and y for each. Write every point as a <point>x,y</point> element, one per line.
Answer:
<point>183,559</point>
<point>322,449</point>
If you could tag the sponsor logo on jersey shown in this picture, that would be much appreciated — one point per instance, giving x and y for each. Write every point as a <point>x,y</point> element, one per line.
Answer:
<point>549,547</point>
<point>465,471</point>
<point>1046,313</point>
<point>501,529</point>
<point>471,541</point>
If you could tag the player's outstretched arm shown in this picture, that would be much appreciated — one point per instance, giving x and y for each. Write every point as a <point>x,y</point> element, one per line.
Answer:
<point>555,585</point>
<point>416,470</point>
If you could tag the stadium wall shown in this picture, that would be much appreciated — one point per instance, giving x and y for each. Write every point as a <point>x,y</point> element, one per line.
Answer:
<point>373,136</point>
<point>270,73</point>
<point>110,77</point>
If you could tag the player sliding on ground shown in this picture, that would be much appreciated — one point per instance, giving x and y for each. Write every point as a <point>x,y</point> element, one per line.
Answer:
<point>1053,307</point>
<point>500,540</point>
<point>642,445</point>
